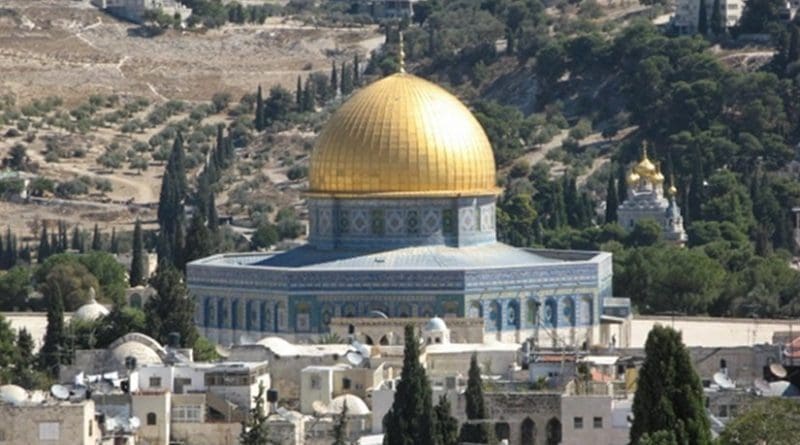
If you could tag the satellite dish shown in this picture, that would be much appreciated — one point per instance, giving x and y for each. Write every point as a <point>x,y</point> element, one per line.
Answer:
<point>723,381</point>
<point>762,386</point>
<point>354,357</point>
<point>378,314</point>
<point>222,351</point>
<point>319,407</point>
<point>361,349</point>
<point>60,392</point>
<point>782,388</point>
<point>778,370</point>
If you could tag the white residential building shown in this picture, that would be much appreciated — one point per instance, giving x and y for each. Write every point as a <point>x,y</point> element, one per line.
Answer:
<point>687,14</point>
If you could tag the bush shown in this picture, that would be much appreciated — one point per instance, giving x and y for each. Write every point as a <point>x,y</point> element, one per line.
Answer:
<point>265,236</point>
<point>220,101</point>
<point>71,188</point>
<point>297,172</point>
<point>581,130</point>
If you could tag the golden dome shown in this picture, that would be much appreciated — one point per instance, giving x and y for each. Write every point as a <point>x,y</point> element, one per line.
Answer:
<point>402,136</point>
<point>632,178</point>
<point>672,191</point>
<point>658,177</point>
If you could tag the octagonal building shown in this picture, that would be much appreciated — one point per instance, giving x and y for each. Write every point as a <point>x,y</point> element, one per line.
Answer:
<point>402,223</point>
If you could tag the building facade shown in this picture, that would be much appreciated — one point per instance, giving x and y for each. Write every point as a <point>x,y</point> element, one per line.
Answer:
<point>687,14</point>
<point>646,200</point>
<point>402,224</point>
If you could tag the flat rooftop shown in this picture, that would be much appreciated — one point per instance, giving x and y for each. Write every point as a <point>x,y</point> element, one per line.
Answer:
<point>409,258</point>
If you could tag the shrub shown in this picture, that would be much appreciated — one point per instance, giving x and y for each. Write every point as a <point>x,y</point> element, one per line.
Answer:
<point>297,172</point>
<point>71,188</point>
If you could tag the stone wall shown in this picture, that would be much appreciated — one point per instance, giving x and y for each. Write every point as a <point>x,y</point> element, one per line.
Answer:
<point>517,414</point>
<point>62,423</point>
<point>376,330</point>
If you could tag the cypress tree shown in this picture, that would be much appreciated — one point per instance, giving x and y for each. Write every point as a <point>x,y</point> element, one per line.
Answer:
<point>255,429</point>
<point>97,243</point>
<point>198,239</point>
<point>446,424</point>
<point>347,79</point>
<point>356,71</point>
<point>170,309</point>
<point>53,348</point>
<point>213,218</point>
<point>308,100</point>
<point>622,185</point>
<point>717,21</point>
<point>611,200</point>
<point>114,242</point>
<point>179,244</point>
<point>298,94</point>
<point>55,240</point>
<point>339,431</point>
<point>702,21</point>
<point>480,431</point>
<point>25,254</point>
<point>334,78</point>
<point>258,122</point>
<point>43,251</point>
<point>137,256</point>
<point>669,395</point>
<point>10,252</point>
<point>410,420</point>
<point>177,166</point>
<point>62,236</point>
<point>25,347</point>
<point>76,238</point>
<point>793,53</point>
<point>3,260</point>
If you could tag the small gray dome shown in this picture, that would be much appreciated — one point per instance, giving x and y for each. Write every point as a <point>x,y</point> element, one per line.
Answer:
<point>143,354</point>
<point>435,324</point>
<point>13,394</point>
<point>355,406</point>
<point>90,311</point>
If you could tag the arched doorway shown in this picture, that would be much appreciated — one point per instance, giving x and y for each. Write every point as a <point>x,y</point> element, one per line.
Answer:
<point>528,432</point>
<point>384,341</point>
<point>502,431</point>
<point>553,431</point>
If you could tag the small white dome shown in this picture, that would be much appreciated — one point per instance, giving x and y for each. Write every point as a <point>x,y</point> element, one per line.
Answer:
<point>278,346</point>
<point>13,394</point>
<point>355,406</point>
<point>90,311</point>
<point>435,324</point>
<point>143,354</point>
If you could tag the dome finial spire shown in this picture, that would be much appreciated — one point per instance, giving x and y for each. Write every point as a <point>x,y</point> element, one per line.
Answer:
<point>401,54</point>
<point>644,150</point>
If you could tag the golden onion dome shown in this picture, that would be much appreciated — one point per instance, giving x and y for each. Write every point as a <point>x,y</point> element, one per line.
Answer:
<point>672,191</point>
<point>402,136</point>
<point>645,167</point>
<point>658,177</point>
<point>632,178</point>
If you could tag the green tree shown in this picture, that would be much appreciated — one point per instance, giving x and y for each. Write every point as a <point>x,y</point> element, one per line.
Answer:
<point>410,420</point>
<point>109,273</point>
<point>298,93</point>
<point>717,21</point>
<point>658,438</point>
<point>278,105</point>
<point>198,239</point>
<point>97,242</point>
<point>645,232</point>
<point>43,250</point>
<point>446,424</point>
<point>136,277</point>
<point>259,118</point>
<point>477,428</point>
<point>171,309</point>
<point>255,429</point>
<point>71,281</point>
<point>669,396</point>
<point>770,421</point>
<point>7,344</point>
<point>265,236</point>
<point>114,244</point>
<point>347,79</point>
<point>15,286</point>
<point>339,431</point>
<point>53,351</point>
<point>334,78</point>
<point>702,21</point>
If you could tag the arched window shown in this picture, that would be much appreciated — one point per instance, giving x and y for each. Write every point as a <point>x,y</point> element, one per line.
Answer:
<point>151,418</point>
<point>513,315</point>
<point>496,316</point>
<point>528,432</point>
<point>553,431</point>
<point>532,313</point>
<point>569,311</point>
<point>235,320</point>
<point>502,431</point>
<point>551,313</point>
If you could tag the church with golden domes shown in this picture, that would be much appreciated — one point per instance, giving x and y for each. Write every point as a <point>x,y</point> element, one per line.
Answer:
<point>646,200</point>
<point>401,206</point>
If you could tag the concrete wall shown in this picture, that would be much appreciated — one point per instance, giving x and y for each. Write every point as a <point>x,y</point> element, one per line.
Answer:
<point>159,404</point>
<point>51,423</point>
<point>462,330</point>
<point>207,433</point>
<point>578,414</point>
<point>712,331</point>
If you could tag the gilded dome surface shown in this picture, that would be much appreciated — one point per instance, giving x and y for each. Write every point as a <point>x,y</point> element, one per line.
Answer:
<point>402,136</point>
